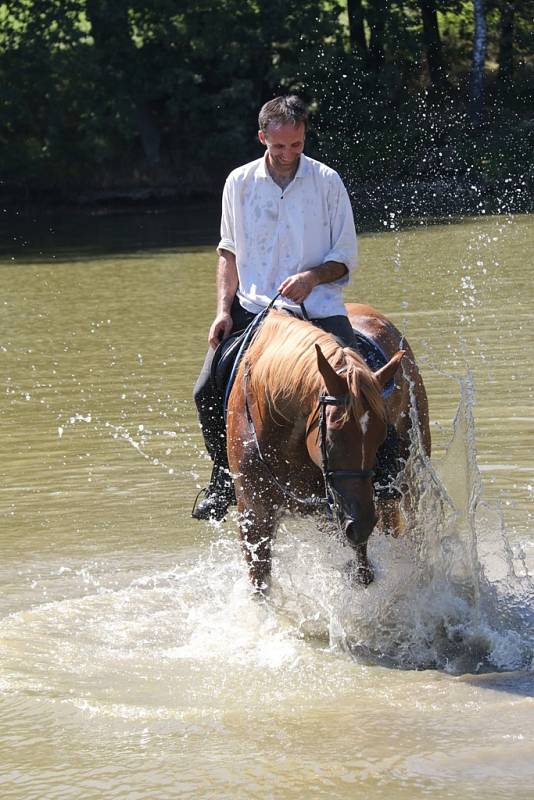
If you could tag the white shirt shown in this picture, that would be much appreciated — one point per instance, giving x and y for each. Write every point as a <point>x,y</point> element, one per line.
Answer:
<point>275,233</point>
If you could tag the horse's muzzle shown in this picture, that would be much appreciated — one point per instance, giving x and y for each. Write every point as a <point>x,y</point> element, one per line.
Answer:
<point>358,528</point>
<point>356,517</point>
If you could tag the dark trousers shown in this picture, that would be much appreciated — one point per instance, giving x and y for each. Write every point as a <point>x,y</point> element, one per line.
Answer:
<point>208,400</point>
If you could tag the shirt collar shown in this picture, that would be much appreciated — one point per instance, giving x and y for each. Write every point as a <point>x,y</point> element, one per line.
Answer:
<point>302,169</point>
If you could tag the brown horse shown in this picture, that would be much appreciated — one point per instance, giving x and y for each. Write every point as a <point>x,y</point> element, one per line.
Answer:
<point>306,417</point>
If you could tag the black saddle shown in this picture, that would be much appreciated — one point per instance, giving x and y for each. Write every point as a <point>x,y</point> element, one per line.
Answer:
<point>229,354</point>
<point>224,360</point>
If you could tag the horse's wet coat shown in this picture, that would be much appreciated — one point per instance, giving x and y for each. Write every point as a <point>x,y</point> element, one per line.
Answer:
<point>285,381</point>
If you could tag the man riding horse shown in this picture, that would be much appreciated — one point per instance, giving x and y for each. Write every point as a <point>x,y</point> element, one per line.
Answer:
<point>287,228</point>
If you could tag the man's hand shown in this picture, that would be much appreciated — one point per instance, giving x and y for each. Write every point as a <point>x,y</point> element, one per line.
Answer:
<point>220,329</point>
<point>298,287</point>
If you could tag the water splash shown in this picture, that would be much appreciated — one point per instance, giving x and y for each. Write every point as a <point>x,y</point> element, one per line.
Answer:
<point>449,594</point>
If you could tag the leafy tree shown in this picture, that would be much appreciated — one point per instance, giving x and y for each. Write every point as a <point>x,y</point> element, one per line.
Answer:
<point>157,92</point>
<point>432,44</point>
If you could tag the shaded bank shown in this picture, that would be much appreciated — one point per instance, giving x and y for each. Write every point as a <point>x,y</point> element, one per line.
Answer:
<point>123,220</point>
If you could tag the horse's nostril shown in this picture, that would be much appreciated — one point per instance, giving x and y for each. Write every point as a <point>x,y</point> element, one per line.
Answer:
<point>358,531</point>
<point>356,534</point>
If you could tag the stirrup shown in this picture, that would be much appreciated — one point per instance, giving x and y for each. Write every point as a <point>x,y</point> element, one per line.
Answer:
<point>213,507</point>
<point>202,491</point>
<point>218,496</point>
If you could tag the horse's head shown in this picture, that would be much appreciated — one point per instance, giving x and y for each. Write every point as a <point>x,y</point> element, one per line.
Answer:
<point>351,426</point>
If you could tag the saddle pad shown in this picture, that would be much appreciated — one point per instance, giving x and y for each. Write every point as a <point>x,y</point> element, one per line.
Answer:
<point>374,357</point>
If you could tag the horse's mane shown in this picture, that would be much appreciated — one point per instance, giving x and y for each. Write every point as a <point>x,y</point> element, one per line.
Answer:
<point>282,362</point>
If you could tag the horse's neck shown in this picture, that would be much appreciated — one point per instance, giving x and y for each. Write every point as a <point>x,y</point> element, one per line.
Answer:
<point>291,420</point>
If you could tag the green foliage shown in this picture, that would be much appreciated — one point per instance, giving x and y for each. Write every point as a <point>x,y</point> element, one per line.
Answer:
<point>121,92</point>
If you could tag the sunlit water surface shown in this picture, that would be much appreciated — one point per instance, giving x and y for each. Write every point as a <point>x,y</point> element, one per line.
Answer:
<point>133,661</point>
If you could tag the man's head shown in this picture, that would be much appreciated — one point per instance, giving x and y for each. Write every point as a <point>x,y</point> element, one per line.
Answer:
<point>283,122</point>
<point>282,111</point>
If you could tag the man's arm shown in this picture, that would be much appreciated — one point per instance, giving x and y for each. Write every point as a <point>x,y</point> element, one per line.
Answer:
<point>227,283</point>
<point>297,287</point>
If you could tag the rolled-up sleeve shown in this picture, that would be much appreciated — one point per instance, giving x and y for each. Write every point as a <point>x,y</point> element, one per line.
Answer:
<point>228,238</point>
<point>343,241</point>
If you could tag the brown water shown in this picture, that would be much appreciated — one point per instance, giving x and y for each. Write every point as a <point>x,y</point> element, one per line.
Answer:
<point>133,662</point>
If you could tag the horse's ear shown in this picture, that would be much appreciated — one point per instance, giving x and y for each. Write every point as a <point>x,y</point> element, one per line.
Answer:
<point>333,382</point>
<point>386,373</point>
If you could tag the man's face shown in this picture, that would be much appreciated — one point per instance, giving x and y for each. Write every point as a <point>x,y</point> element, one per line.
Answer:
<point>284,145</point>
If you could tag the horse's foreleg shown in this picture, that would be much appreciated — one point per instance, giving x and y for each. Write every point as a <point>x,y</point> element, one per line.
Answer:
<point>256,531</point>
<point>360,570</point>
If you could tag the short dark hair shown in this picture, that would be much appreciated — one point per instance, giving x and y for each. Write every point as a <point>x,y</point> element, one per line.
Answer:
<point>281,110</point>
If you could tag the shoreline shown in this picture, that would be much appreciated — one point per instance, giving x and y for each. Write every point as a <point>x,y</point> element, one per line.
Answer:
<point>137,219</point>
<point>441,196</point>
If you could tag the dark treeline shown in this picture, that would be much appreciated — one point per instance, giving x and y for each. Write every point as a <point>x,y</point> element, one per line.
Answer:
<point>101,94</point>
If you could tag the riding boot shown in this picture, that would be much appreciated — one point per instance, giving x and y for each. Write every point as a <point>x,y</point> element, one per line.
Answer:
<point>218,495</point>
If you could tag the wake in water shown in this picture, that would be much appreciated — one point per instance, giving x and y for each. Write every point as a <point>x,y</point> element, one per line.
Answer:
<point>449,594</point>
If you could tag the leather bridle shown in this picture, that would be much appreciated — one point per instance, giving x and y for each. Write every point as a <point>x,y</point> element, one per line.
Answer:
<point>329,475</point>
<point>330,500</point>
<point>336,400</point>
